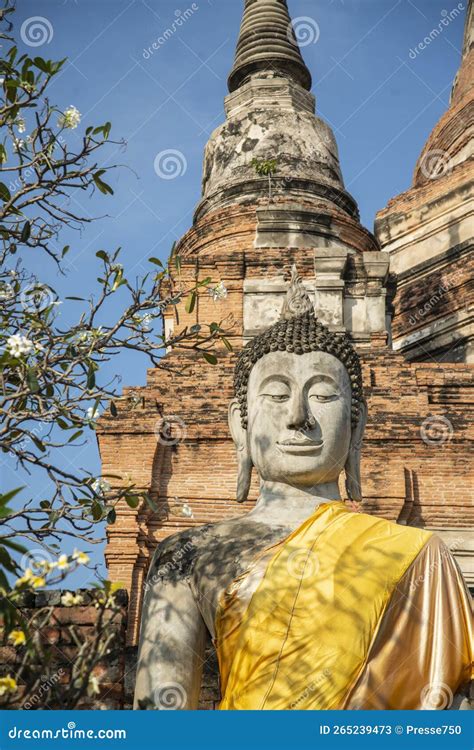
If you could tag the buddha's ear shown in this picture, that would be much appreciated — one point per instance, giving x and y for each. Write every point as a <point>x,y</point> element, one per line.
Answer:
<point>239,436</point>
<point>352,468</point>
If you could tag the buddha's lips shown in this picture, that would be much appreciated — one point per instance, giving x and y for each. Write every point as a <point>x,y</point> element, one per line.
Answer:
<point>300,446</point>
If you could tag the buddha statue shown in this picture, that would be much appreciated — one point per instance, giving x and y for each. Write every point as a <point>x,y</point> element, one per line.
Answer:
<point>310,603</point>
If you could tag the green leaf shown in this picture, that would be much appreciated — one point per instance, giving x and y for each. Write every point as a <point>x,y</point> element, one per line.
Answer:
<point>43,65</point>
<point>191,303</point>
<point>13,545</point>
<point>32,381</point>
<point>65,250</point>
<point>102,255</point>
<point>210,358</point>
<point>205,282</point>
<point>55,67</point>
<point>100,184</point>
<point>6,561</point>
<point>7,496</point>
<point>39,444</point>
<point>26,231</point>
<point>96,510</point>
<point>156,261</point>
<point>3,154</point>
<point>133,501</point>
<point>4,192</point>
<point>111,516</point>
<point>151,504</point>
<point>227,344</point>
<point>90,378</point>
<point>75,436</point>
<point>113,409</point>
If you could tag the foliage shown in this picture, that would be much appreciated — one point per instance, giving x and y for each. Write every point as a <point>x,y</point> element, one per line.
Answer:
<point>53,350</point>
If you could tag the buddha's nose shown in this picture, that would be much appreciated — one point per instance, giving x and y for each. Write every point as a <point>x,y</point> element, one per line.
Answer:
<point>300,416</point>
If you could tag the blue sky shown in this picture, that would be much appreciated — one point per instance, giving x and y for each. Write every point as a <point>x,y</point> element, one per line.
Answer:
<point>381,102</point>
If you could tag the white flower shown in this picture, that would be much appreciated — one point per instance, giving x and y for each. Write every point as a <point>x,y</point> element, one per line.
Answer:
<point>80,557</point>
<point>70,119</point>
<point>101,485</point>
<point>18,144</point>
<point>93,413</point>
<point>63,562</point>
<point>144,321</point>
<point>21,125</point>
<point>6,290</point>
<point>219,292</point>
<point>71,600</point>
<point>187,511</point>
<point>93,687</point>
<point>19,345</point>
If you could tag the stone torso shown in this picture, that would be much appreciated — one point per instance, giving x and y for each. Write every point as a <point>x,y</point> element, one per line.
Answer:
<point>210,557</point>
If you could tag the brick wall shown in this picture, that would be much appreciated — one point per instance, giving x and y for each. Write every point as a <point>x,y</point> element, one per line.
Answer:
<point>68,626</point>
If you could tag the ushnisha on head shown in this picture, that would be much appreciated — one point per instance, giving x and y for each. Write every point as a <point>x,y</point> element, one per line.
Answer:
<point>299,413</point>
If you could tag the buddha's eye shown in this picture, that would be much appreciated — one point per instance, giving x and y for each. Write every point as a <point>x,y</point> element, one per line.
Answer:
<point>275,391</point>
<point>277,397</point>
<point>324,395</point>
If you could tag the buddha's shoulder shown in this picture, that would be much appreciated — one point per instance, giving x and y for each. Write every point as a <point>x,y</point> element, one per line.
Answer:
<point>177,554</point>
<point>389,530</point>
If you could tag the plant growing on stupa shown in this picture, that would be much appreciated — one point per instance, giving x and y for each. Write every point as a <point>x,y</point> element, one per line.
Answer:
<point>266,168</point>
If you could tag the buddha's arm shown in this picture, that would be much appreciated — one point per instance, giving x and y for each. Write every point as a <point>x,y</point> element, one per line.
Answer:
<point>171,652</point>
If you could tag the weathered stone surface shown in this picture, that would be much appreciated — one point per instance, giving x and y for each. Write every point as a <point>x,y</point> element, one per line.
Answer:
<point>428,233</point>
<point>267,43</point>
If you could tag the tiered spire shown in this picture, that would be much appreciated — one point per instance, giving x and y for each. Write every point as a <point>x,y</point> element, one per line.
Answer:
<point>267,43</point>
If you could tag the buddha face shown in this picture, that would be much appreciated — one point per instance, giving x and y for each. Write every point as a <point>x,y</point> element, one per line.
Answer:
<point>299,418</point>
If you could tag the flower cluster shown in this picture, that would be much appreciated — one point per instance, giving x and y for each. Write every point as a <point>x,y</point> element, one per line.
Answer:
<point>35,576</point>
<point>19,346</point>
<point>219,292</point>
<point>7,685</point>
<point>70,118</point>
<point>101,486</point>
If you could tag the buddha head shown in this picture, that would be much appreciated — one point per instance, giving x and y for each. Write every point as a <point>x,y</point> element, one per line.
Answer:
<point>299,413</point>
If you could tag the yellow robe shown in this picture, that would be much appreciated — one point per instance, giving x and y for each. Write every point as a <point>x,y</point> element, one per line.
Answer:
<point>349,611</point>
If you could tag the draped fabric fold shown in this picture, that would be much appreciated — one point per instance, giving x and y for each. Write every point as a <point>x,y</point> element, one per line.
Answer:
<point>349,611</point>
